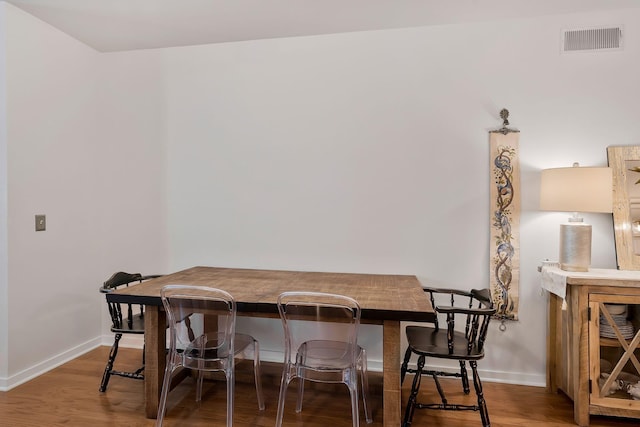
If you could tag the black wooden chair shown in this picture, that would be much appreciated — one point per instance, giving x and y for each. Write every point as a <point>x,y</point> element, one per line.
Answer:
<point>125,319</point>
<point>473,310</point>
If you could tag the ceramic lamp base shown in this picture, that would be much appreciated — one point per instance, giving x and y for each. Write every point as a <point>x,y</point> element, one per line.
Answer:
<point>575,246</point>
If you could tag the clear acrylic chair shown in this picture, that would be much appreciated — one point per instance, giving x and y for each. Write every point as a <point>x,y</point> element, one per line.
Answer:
<point>321,333</point>
<point>202,337</point>
<point>472,312</point>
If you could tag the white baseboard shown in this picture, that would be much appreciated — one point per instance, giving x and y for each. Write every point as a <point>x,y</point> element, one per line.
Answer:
<point>128,341</point>
<point>40,368</point>
<point>373,365</point>
<point>537,380</point>
<point>137,341</point>
<point>519,378</point>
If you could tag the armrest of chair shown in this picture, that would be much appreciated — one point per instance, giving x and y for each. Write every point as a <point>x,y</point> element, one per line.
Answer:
<point>464,310</point>
<point>447,291</point>
<point>151,276</point>
<point>121,278</point>
<point>480,296</point>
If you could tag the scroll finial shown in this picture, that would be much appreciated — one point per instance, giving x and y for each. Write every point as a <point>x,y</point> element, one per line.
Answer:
<point>504,115</point>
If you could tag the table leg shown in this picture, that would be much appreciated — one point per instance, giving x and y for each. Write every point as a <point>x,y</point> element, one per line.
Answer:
<point>553,349</point>
<point>391,393</point>
<point>154,353</point>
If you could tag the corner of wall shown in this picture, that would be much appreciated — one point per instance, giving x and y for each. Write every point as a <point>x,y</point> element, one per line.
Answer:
<point>4,309</point>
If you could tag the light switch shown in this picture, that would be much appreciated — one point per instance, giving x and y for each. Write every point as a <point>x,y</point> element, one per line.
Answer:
<point>41,222</point>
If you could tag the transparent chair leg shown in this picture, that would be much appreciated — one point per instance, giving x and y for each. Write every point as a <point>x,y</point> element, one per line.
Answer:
<point>199,386</point>
<point>258,374</point>
<point>202,341</point>
<point>301,360</point>
<point>365,387</point>
<point>353,392</point>
<point>162,406</point>
<point>284,383</point>
<point>230,391</point>
<point>300,394</point>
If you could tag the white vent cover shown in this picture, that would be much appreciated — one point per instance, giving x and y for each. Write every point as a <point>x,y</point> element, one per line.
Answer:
<point>590,39</point>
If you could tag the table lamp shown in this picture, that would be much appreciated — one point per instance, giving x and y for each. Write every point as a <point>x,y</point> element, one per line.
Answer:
<point>576,189</point>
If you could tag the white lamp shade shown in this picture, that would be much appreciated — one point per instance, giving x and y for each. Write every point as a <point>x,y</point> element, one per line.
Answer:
<point>576,189</point>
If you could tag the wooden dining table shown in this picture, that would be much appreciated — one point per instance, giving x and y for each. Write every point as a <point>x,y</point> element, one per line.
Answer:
<point>385,300</point>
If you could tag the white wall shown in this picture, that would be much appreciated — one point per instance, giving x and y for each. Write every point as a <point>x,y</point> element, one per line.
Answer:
<point>364,152</point>
<point>4,307</point>
<point>51,158</point>
<point>93,165</point>
<point>368,152</point>
<point>133,164</point>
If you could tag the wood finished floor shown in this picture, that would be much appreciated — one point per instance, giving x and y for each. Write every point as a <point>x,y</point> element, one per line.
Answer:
<point>69,396</point>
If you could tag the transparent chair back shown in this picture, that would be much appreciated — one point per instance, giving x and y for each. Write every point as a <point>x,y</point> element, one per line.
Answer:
<point>321,332</point>
<point>202,337</point>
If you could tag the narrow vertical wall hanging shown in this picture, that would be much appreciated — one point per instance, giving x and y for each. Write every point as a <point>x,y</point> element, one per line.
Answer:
<point>505,220</point>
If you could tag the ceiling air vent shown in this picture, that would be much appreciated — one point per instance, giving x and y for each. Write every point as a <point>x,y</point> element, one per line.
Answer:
<point>590,39</point>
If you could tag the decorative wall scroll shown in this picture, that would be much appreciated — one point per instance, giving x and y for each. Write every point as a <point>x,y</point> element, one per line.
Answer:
<point>625,164</point>
<point>505,220</point>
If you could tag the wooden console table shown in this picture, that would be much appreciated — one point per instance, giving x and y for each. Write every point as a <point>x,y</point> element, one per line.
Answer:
<point>583,335</point>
